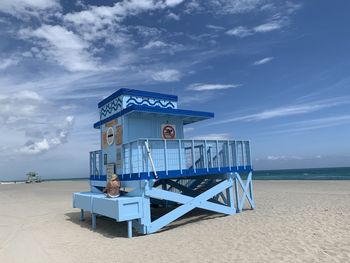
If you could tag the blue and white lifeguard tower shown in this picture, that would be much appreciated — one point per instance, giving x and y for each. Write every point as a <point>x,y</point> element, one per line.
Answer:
<point>142,140</point>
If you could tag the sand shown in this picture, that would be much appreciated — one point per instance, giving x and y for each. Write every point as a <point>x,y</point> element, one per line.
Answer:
<point>294,221</point>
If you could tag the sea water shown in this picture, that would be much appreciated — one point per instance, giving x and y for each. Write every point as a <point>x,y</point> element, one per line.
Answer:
<point>342,173</point>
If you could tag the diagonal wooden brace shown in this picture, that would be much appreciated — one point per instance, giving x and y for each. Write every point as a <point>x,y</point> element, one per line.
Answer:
<point>189,203</point>
<point>247,189</point>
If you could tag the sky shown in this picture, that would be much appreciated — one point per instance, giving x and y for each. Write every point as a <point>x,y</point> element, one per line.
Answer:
<point>274,72</point>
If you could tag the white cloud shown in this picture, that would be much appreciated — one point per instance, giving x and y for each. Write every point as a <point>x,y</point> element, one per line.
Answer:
<point>202,86</point>
<point>240,32</point>
<point>172,3</point>
<point>201,97</point>
<point>27,95</point>
<point>155,44</point>
<point>46,144</point>
<point>292,7</point>
<point>173,16</point>
<point>311,124</point>
<point>263,61</point>
<point>31,123</point>
<point>62,46</point>
<point>19,105</point>
<point>20,7</point>
<point>215,27</point>
<point>234,6</point>
<point>167,75</point>
<point>8,62</point>
<point>283,157</point>
<point>98,20</point>
<point>289,110</point>
<point>35,147</point>
<point>267,27</point>
<point>212,136</point>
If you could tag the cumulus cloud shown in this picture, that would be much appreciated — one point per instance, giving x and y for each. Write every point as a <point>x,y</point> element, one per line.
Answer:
<point>31,117</point>
<point>103,22</point>
<point>203,86</point>
<point>31,7</point>
<point>62,46</point>
<point>78,39</point>
<point>263,61</point>
<point>19,106</point>
<point>167,75</point>
<point>60,137</point>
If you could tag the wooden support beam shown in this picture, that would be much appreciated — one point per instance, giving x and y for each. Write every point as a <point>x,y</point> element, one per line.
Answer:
<point>189,203</point>
<point>247,193</point>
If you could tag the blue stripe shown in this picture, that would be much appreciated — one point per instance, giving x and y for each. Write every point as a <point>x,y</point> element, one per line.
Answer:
<point>177,173</point>
<point>176,112</point>
<point>139,93</point>
<point>133,101</point>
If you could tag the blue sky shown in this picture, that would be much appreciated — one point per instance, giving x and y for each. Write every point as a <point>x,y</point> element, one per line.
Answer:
<point>274,72</point>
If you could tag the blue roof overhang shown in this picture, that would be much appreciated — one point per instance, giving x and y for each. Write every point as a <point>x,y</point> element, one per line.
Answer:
<point>188,116</point>
<point>139,93</point>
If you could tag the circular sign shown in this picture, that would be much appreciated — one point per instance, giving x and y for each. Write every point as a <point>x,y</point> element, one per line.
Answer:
<point>110,135</point>
<point>169,132</point>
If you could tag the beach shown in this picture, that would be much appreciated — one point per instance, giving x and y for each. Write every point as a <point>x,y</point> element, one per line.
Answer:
<point>294,221</point>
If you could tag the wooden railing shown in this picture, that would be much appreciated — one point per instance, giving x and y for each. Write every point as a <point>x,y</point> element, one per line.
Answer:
<point>179,155</point>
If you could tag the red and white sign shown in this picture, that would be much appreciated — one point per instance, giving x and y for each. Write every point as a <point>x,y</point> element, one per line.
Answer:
<point>168,131</point>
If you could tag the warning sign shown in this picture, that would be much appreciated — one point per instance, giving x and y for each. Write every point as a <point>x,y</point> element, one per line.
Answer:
<point>168,131</point>
<point>110,135</point>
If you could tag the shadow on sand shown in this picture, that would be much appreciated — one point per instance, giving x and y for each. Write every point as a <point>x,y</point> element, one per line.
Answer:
<point>110,228</point>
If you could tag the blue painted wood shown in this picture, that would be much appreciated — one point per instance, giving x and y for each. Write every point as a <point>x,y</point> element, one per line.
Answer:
<point>187,116</point>
<point>180,157</point>
<point>129,229</point>
<point>165,157</point>
<point>251,192</point>
<point>139,93</point>
<point>236,194</point>
<point>93,221</point>
<point>209,183</point>
<point>188,204</point>
<point>82,218</point>
<point>245,189</point>
<point>185,173</point>
<point>121,208</point>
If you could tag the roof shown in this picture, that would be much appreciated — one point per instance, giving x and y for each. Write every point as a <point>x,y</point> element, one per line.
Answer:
<point>188,116</point>
<point>140,93</point>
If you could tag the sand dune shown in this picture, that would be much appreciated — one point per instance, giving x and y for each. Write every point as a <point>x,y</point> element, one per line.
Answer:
<point>295,221</point>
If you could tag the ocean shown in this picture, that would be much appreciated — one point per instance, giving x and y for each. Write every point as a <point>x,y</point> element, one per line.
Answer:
<point>342,173</point>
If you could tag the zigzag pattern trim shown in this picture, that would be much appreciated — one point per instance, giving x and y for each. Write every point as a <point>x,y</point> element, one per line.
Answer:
<point>111,107</point>
<point>133,101</point>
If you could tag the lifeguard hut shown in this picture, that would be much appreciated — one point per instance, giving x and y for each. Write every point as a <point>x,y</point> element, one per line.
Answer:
<point>142,140</point>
